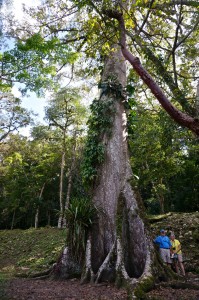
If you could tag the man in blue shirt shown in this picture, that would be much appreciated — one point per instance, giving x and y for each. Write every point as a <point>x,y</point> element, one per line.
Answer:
<point>164,244</point>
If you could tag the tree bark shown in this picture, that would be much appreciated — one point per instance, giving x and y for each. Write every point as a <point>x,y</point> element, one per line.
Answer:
<point>197,100</point>
<point>49,217</point>
<point>119,230</point>
<point>70,177</point>
<point>165,75</point>
<point>119,247</point>
<point>37,210</point>
<point>61,213</point>
<point>13,219</point>
<point>37,218</point>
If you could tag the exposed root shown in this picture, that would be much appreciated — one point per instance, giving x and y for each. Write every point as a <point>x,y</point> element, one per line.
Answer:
<point>133,283</point>
<point>88,274</point>
<point>43,277</point>
<point>121,272</point>
<point>120,268</point>
<point>179,285</point>
<point>158,218</point>
<point>105,263</point>
<point>39,275</point>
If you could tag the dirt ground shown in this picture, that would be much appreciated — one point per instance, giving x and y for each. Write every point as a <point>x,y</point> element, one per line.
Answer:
<point>29,289</point>
<point>173,294</point>
<point>167,293</point>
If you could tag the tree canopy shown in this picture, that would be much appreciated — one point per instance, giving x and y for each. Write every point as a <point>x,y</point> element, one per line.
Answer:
<point>13,116</point>
<point>60,37</point>
<point>61,33</point>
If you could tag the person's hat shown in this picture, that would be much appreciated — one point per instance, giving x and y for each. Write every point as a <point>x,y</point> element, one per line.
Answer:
<point>172,234</point>
<point>162,230</point>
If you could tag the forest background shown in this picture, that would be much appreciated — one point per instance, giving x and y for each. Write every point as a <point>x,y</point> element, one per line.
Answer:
<point>40,174</point>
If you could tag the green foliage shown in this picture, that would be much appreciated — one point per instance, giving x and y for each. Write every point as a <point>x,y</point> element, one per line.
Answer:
<point>12,115</point>
<point>29,169</point>
<point>164,160</point>
<point>34,62</point>
<point>184,186</point>
<point>100,125</point>
<point>80,216</point>
<point>26,166</point>
<point>112,86</point>
<point>65,110</point>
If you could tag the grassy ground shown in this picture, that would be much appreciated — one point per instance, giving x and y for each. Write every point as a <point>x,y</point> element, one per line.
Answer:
<point>26,252</point>
<point>23,252</point>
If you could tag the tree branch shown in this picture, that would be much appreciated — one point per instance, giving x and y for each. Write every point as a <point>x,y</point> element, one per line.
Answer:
<point>188,34</point>
<point>147,15</point>
<point>161,70</point>
<point>181,118</point>
<point>192,3</point>
<point>175,44</point>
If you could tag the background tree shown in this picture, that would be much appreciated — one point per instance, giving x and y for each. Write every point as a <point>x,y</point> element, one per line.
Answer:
<point>27,166</point>
<point>67,114</point>
<point>12,115</point>
<point>29,177</point>
<point>139,20</point>
<point>159,152</point>
<point>180,117</point>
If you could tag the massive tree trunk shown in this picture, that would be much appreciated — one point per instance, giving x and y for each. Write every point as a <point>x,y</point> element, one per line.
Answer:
<point>119,247</point>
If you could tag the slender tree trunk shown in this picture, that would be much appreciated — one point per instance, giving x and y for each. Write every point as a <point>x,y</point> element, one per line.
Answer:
<point>49,217</point>
<point>61,214</point>
<point>13,219</point>
<point>69,188</point>
<point>37,218</point>
<point>70,174</point>
<point>161,200</point>
<point>70,177</point>
<point>159,196</point>
<point>197,101</point>
<point>37,210</point>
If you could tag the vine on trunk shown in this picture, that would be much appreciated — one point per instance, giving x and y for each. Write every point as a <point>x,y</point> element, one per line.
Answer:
<point>100,125</point>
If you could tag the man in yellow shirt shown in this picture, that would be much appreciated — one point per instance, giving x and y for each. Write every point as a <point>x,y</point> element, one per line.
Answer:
<point>176,250</point>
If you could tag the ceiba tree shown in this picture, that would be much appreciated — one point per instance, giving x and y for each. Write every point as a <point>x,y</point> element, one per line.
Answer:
<point>13,116</point>
<point>119,243</point>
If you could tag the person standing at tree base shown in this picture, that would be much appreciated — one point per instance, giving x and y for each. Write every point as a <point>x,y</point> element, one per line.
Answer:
<point>177,254</point>
<point>164,244</point>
